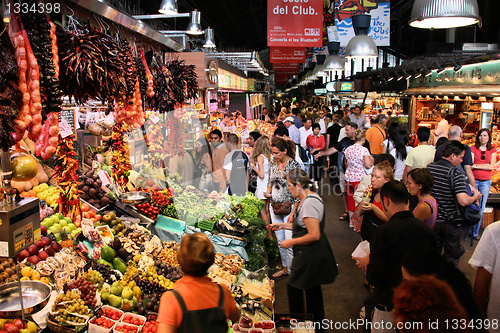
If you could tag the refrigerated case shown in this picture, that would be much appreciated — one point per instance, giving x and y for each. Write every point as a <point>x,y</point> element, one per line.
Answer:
<point>486,115</point>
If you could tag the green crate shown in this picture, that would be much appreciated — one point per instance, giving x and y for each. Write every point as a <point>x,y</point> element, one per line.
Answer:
<point>206,225</point>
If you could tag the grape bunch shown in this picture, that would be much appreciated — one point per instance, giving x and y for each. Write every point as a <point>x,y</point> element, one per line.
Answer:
<point>95,277</point>
<point>73,303</point>
<point>87,289</point>
<point>108,275</point>
<point>149,287</point>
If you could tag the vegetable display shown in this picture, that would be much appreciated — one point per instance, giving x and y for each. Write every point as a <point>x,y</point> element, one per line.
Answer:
<point>120,162</point>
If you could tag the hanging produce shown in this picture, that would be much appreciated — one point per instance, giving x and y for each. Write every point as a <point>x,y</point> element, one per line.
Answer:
<point>150,88</point>
<point>174,144</point>
<point>55,50</point>
<point>24,117</point>
<point>174,83</point>
<point>120,162</point>
<point>142,77</point>
<point>38,30</point>
<point>91,66</point>
<point>130,72</point>
<point>11,98</point>
<point>66,166</point>
<point>49,139</point>
<point>154,142</point>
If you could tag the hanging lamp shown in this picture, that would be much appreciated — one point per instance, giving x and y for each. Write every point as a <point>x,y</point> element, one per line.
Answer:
<point>334,62</point>
<point>209,38</point>
<point>168,7</point>
<point>361,46</point>
<point>444,14</point>
<point>194,28</point>
<point>319,70</point>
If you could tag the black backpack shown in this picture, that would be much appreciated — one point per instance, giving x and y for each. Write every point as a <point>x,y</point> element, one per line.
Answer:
<point>305,155</point>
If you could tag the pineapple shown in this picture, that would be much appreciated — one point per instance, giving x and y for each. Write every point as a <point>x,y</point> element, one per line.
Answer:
<point>66,241</point>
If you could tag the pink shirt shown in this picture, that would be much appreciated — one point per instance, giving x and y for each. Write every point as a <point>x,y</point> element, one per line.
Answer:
<point>354,156</point>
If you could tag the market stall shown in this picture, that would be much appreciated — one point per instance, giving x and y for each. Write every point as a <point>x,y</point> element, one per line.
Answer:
<point>94,138</point>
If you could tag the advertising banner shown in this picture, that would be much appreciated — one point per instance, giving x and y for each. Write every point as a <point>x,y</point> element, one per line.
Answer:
<point>294,23</point>
<point>339,13</point>
<point>288,54</point>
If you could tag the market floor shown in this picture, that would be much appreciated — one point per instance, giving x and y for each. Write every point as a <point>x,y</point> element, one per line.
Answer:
<point>344,298</point>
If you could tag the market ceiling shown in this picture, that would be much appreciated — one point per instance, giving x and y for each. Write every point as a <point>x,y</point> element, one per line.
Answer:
<point>241,25</point>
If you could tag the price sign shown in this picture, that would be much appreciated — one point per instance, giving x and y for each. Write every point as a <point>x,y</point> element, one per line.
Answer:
<point>67,116</point>
<point>64,129</point>
<point>154,117</point>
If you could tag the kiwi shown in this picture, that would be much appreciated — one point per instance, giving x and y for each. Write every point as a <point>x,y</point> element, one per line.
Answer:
<point>1,279</point>
<point>1,269</point>
<point>4,275</point>
<point>6,264</point>
<point>10,271</point>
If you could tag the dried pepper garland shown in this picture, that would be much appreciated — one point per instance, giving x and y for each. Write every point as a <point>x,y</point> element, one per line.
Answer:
<point>66,166</point>
<point>155,143</point>
<point>120,162</point>
<point>174,144</point>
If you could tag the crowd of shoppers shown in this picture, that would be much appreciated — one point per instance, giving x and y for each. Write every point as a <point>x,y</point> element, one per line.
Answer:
<point>378,172</point>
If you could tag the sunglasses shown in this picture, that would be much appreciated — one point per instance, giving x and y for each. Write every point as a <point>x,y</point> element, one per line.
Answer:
<point>484,155</point>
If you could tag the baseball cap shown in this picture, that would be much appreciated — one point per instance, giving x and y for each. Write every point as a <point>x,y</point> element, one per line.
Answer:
<point>290,119</point>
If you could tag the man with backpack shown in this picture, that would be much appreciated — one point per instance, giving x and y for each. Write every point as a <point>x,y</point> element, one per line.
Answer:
<point>449,189</point>
<point>235,167</point>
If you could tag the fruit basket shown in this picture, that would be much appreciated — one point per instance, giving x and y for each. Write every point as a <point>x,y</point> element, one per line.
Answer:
<point>55,327</point>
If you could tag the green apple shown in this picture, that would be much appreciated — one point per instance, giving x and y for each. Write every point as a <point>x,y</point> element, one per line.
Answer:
<point>54,219</point>
<point>68,219</point>
<point>63,223</point>
<point>60,216</point>
<point>53,230</point>
<point>74,233</point>
<point>71,227</point>
<point>66,229</point>
<point>78,229</point>
<point>57,226</point>
<point>58,238</point>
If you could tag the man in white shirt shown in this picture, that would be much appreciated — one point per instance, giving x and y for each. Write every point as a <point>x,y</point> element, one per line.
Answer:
<point>486,259</point>
<point>345,121</point>
<point>305,131</point>
<point>322,122</point>
<point>293,131</point>
<point>420,156</point>
<point>442,127</point>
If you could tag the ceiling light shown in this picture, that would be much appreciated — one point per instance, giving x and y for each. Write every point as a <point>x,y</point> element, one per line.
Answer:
<point>194,28</point>
<point>391,77</point>
<point>419,74</point>
<point>334,62</point>
<point>168,7</point>
<point>444,14</point>
<point>400,77</point>
<point>209,38</point>
<point>319,71</point>
<point>361,46</point>
<point>407,76</point>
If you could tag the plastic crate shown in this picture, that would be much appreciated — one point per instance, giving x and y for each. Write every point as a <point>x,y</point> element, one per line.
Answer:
<point>133,315</point>
<point>112,308</point>
<point>93,328</point>
<point>137,328</point>
<point>206,225</point>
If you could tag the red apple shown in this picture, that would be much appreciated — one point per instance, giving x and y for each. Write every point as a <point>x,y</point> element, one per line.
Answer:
<point>50,250</point>
<point>32,249</point>
<point>23,255</point>
<point>43,230</point>
<point>34,260</point>
<point>43,255</point>
<point>11,328</point>
<point>46,241</point>
<point>39,244</point>
<point>18,323</point>
<point>56,246</point>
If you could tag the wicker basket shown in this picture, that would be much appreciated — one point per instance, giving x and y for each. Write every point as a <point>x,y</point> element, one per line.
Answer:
<point>488,218</point>
<point>58,328</point>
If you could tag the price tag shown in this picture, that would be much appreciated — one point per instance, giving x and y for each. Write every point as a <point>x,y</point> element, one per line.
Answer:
<point>65,129</point>
<point>104,177</point>
<point>154,117</point>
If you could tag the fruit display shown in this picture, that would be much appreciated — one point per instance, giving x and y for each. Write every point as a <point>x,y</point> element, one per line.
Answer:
<point>126,328</point>
<point>133,319</point>
<point>150,327</point>
<point>169,272</point>
<point>90,187</point>
<point>103,322</point>
<point>114,223</point>
<point>108,275</point>
<point>70,308</point>
<point>57,223</point>
<point>87,290</point>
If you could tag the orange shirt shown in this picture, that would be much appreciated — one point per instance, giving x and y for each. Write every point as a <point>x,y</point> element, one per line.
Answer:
<point>376,136</point>
<point>198,293</point>
<point>218,155</point>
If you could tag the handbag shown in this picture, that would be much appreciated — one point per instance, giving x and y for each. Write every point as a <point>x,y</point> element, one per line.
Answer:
<point>282,208</point>
<point>467,215</point>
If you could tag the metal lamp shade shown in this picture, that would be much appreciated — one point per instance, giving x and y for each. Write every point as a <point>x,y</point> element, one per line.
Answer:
<point>319,71</point>
<point>209,40</point>
<point>169,7</point>
<point>309,76</point>
<point>361,46</point>
<point>334,63</point>
<point>194,28</point>
<point>444,14</point>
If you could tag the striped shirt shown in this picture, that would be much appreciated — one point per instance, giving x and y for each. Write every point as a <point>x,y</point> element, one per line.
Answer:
<point>442,190</point>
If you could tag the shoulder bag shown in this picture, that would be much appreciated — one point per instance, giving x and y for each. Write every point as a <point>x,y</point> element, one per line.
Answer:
<point>469,215</point>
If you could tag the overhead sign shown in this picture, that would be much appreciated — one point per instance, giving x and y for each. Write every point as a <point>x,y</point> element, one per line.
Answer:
<point>288,55</point>
<point>286,67</point>
<point>473,74</point>
<point>320,91</point>
<point>339,13</point>
<point>294,23</point>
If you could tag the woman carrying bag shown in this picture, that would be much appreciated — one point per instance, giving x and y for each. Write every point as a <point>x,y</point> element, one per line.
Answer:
<point>282,207</point>
<point>313,262</point>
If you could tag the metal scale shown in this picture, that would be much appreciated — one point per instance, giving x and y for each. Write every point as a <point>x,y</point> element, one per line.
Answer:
<point>19,228</point>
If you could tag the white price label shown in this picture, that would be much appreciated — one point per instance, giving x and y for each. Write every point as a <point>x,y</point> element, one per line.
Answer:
<point>154,117</point>
<point>4,249</point>
<point>64,129</point>
<point>104,177</point>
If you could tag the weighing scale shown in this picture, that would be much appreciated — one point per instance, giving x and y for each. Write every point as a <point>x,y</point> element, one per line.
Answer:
<point>19,228</point>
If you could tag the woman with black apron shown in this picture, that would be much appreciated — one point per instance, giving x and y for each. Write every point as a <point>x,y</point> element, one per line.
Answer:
<point>313,262</point>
